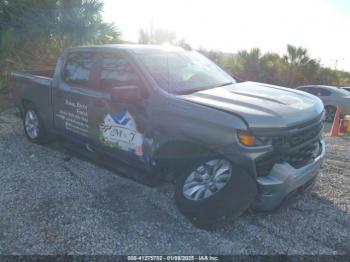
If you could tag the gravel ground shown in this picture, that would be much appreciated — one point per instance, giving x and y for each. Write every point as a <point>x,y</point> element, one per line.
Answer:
<point>53,204</point>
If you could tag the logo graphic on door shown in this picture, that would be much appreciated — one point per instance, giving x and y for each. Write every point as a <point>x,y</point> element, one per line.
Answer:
<point>119,131</point>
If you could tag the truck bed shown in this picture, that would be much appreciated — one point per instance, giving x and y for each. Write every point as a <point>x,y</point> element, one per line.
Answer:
<point>34,88</point>
<point>39,77</point>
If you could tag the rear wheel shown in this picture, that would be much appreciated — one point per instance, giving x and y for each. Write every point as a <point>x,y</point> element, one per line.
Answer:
<point>212,190</point>
<point>330,113</point>
<point>33,127</point>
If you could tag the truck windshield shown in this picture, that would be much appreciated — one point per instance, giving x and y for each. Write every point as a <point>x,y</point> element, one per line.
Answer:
<point>184,72</point>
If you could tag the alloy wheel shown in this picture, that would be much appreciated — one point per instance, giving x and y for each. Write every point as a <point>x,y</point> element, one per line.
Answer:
<point>208,179</point>
<point>31,123</point>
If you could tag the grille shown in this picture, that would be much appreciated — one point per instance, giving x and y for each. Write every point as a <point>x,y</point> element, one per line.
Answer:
<point>304,136</point>
<point>304,155</point>
<point>297,149</point>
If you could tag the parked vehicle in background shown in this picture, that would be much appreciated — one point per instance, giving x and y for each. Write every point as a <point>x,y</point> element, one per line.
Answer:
<point>331,97</point>
<point>347,88</point>
<point>164,110</point>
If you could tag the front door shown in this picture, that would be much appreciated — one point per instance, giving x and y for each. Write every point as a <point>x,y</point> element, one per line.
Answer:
<point>119,129</point>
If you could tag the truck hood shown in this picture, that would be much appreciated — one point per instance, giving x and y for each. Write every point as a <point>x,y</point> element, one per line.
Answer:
<point>261,105</point>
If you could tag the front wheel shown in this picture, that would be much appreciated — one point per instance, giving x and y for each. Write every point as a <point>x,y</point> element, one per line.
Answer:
<point>212,190</point>
<point>33,127</point>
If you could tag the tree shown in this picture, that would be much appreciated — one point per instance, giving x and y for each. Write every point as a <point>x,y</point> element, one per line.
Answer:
<point>143,37</point>
<point>297,58</point>
<point>248,64</point>
<point>159,36</point>
<point>34,32</point>
<point>293,69</point>
<point>182,43</point>
<point>273,69</point>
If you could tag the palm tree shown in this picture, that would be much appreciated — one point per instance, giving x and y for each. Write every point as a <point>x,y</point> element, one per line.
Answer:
<point>297,59</point>
<point>144,38</point>
<point>296,55</point>
<point>248,63</point>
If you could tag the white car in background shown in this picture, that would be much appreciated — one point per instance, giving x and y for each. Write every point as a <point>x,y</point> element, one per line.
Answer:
<point>331,97</point>
<point>347,88</point>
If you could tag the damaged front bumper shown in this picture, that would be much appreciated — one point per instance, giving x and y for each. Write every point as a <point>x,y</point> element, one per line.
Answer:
<point>284,179</point>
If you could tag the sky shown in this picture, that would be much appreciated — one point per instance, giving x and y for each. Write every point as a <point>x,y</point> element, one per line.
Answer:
<point>321,26</point>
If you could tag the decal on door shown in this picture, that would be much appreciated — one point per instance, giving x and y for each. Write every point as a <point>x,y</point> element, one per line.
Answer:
<point>119,131</point>
<point>75,117</point>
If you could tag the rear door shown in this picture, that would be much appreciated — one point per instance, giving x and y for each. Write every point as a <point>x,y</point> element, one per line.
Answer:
<point>72,95</point>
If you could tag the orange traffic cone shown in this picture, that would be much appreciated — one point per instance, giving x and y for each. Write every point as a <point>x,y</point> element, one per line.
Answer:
<point>336,123</point>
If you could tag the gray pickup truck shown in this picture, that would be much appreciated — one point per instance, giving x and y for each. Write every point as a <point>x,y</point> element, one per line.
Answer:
<point>164,110</point>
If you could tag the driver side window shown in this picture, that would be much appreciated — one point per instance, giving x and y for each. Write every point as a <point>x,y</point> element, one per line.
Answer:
<point>116,71</point>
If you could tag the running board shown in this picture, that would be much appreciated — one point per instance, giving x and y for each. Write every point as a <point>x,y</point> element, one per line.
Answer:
<point>86,152</point>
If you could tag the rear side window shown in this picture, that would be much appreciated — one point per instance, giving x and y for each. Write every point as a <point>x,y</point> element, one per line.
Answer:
<point>324,92</point>
<point>116,71</point>
<point>78,68</point>
<point>305,89</point>
<point>311,90</point>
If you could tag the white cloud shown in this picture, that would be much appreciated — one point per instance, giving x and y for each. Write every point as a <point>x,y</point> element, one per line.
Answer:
<point>233,25</point>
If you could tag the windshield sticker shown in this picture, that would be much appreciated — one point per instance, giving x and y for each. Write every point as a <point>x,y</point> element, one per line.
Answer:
<point>119,131</point>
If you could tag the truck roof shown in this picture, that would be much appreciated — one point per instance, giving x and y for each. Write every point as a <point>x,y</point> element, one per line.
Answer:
<point>135,48</point>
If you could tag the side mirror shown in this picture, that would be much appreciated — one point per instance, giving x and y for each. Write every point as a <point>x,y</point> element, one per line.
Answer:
<point>126,94</point>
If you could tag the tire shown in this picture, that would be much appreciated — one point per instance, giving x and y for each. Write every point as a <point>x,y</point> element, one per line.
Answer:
<point>230,201</point>
<point>33,126</point>
<point>330,113</point>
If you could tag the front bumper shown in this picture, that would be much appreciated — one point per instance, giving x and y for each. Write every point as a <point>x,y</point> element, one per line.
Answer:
<point>283,179</point>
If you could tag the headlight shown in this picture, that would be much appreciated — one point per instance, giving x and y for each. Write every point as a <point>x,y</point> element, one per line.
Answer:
<point>251,140</point>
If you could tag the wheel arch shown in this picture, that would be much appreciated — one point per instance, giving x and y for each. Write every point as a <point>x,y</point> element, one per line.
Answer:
<point>177,155</point>
<point>25,103</point>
